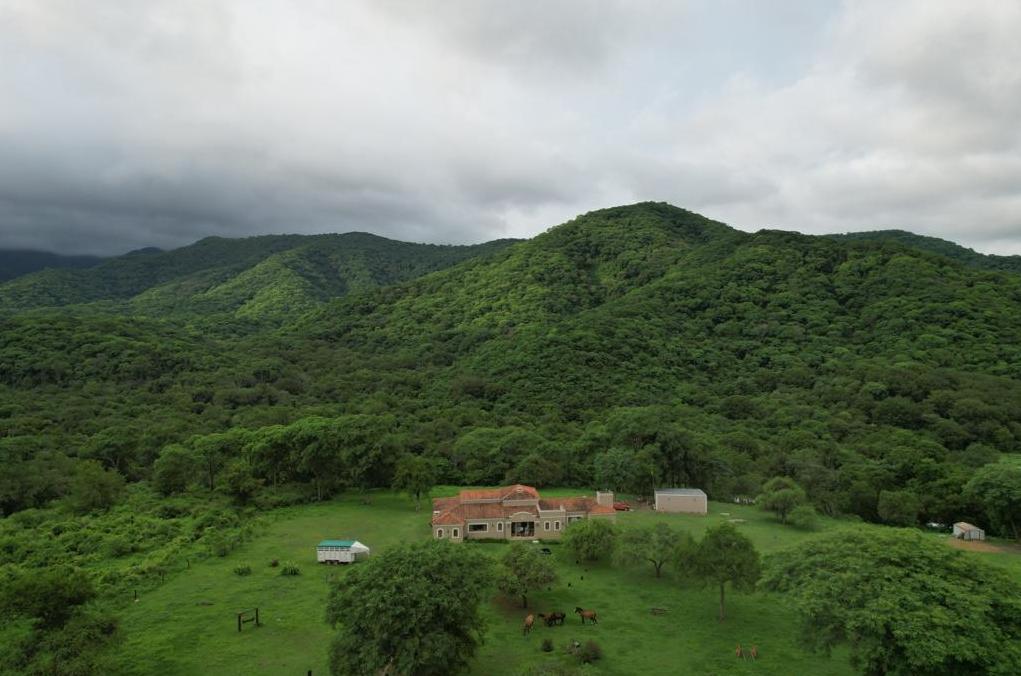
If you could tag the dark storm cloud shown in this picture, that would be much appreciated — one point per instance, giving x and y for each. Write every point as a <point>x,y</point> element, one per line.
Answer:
<point>157,123</point>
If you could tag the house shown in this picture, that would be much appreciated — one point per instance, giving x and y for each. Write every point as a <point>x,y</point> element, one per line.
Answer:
<point>684,500</point>
<point>966,531</point>
<point>513,513</point>
<point>341,551</point>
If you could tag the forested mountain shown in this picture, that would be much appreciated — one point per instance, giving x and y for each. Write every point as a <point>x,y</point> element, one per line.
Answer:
<point>631,347</point>
<point>18,262</point>
<point>257,278</point>
<point>939,246</point>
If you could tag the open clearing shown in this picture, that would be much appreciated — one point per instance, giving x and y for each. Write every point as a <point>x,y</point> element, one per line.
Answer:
<point>188,626</point>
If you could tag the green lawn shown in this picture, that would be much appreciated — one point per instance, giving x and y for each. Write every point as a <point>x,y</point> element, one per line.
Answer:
<point>187,625</point>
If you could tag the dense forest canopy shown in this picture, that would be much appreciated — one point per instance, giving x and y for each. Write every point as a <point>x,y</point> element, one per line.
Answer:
<point>631,347</point>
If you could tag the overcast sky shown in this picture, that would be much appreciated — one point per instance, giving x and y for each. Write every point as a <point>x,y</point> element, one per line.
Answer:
<point>129,123</point>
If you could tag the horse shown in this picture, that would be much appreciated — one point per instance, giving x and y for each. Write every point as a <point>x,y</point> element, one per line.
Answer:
<point>739,652</point>
<point>529,621</point>
<point>587,615</point>
<point>754,652</point>
<point>553,618</point>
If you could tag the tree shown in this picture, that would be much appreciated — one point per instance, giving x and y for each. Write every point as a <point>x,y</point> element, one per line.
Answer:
<point>413,609</point>
<point>781,494</point>
<point>656,544</point>
<point>415,475</point>
<point>899,508</point>
<point>904,603</point>
<point>174,469</point>
<point>804,517</point>
<point>94,488</point>
<point>525,568</point>
<point>724,555</point>
<point>590,538</point>
<point>238,482</point>
<point>997,488</point>
<point>49,595</point>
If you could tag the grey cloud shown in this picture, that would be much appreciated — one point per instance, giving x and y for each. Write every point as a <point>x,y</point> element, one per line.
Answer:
<point>158,123</point>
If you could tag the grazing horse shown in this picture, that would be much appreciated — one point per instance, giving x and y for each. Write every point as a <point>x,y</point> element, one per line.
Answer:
<point>587,615</point>
<point>529,621</point>
<point>739,652</point>
<point>553,618</point>
<point>754,652</point>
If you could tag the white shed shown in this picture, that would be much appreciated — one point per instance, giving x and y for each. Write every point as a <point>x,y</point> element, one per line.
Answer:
<point>682,500</point>
<point>341,551</point>
<point>966,531</point>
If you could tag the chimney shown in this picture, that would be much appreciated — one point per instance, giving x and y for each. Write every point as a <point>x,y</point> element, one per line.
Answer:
<point>604,498</point>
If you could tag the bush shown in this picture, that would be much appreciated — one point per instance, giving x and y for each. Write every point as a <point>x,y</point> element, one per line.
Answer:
<point>803,517</point>
<point>590,652</point>
<point>547,645</point>
<point>117,546</point>
<point>243,570</point>
<point>290,568</point>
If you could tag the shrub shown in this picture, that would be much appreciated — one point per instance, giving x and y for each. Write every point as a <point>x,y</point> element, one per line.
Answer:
<point>804,517</point>
<point>118,546</point>
<point>290,568</point>
<point>590,652</point>
<point>547,645</point>
<point>243,570</point>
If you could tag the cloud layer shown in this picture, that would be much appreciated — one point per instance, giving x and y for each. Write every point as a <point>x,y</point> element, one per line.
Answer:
<point>157,123</point>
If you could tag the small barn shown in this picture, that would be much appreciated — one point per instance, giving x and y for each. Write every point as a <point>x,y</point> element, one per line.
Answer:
<point>966,531</point>
<point>341,551</point>
<point>682,500</point>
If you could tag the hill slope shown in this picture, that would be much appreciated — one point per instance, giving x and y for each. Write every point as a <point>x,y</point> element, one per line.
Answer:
<point>17,262</point>
<point>935,245</point>
<point>268,277</point>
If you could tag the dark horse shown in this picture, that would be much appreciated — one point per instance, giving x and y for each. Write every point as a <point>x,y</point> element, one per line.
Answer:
<point>553,618</point>
<point>587,615</point>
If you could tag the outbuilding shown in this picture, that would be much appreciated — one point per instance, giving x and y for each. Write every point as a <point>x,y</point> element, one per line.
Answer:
<point>966,531</point>
<point>341,551</point>
<point>682,500</point>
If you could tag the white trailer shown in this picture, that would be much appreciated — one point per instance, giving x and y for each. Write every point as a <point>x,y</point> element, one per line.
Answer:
<point>341,551</point>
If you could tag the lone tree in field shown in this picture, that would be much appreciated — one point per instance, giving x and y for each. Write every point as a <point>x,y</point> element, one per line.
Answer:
<point>525,568</point>
<point>724,555</point>
<point>590,539</point>
<point>416,476</point>
<point>412,610</point>
<point>905,604</point>
<point>656,544</point>
<point>781,495</point>
<point>997,487</point>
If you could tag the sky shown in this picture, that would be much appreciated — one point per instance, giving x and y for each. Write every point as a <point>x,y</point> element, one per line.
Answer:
<point>135,123</point>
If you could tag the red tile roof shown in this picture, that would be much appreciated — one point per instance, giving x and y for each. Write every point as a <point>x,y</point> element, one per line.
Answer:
<point>456,510</point>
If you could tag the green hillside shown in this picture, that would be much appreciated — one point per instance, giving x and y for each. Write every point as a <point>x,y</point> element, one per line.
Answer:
<point>18,262</point>
<point>935,245</point>
<point>258,278</point>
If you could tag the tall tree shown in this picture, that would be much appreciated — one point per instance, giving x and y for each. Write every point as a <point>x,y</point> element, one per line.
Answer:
<point>904,603</point>
<point>524,568</point>
<point>415,475</point>
<point>591,538</point>
<point>657,544</point>
<point>997,487</point>
<point>94,488</point>
<point>781,495</point>
<point>413,610</point>
<point>724,555</point>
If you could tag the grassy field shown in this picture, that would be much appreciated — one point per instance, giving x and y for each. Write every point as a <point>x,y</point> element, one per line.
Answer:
<point>188,626</point>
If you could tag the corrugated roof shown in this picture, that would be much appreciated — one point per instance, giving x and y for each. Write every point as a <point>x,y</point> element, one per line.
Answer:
<point>681,491</point>
<point>964,525</point>
<point>337,543</point>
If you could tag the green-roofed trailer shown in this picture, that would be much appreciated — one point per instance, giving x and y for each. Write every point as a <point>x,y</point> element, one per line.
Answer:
<point>341,551</point>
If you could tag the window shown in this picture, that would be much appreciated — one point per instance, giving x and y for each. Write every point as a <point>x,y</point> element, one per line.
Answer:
<point>499,527</point>
<point>556,525</point>
<point>439,532</point>
<point>478,527</point>
<point>454,533</point>
<point>545,525</point>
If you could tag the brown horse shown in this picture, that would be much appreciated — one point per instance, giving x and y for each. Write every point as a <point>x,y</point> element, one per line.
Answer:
<point>529,621</point>
<point>754,652</point>
<point>587,615</point>
<point>553,618</point>
<point>739,652</point>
